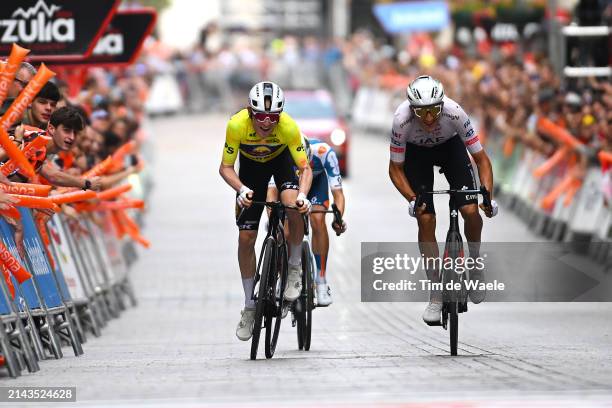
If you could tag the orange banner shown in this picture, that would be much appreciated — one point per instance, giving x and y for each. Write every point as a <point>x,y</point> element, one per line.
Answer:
<point>73,197</point>
<point>15,111</point>
<point>13,265</point>
<point>114,192</point>
<point>10,69</point>
<point>38,190</point>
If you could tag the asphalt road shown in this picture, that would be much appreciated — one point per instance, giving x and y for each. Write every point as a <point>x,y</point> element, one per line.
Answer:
<point>178,347</point>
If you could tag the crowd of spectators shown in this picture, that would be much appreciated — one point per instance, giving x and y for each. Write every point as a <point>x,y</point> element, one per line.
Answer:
<point>83,128</point>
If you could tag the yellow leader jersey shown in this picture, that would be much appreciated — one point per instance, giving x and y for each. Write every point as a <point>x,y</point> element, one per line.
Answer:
<point>241,136</point>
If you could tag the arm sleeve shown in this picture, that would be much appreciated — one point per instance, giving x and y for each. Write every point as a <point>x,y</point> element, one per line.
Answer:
<point>294,144</point>
<point>232,144</point>
<point>466,131</point>
<point>332,169</point>
<point>398,143</point>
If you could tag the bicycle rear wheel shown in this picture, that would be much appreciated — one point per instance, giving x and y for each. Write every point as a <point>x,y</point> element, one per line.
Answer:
<point>267,253</point>
<point>454,327</point>
<point>275,305</point>
<point>305,303</point>
<point>308,283</point>
<point>452,298</point>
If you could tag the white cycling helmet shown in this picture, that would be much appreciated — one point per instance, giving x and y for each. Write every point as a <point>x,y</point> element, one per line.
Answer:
<point>425,91</point>
<point>268,92</point>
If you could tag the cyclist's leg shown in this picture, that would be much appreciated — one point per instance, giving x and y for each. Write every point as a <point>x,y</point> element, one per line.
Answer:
<point>460,175</point>
<point>418,168</point>
<point>319,197</point>
<point>287,182</point>
<point>255,176</point>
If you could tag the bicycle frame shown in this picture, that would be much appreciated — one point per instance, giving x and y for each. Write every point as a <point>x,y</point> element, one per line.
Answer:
<point>454,302</point>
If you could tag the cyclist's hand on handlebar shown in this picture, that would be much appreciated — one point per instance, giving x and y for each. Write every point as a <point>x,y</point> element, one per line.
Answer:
<point>413,210</point>
<point>339,229</point>
<point>491,211</point>
<point>245,197</point>
<point>302,203</point>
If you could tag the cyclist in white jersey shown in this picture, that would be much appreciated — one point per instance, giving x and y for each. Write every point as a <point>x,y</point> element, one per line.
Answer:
<point>430,129</point>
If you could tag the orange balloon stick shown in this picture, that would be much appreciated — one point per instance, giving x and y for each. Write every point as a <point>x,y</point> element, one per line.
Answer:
<point>73,197</point>
<point>26,189</point>
<point>19,105</point>
<point>10,69</point>
<point>114,192</point>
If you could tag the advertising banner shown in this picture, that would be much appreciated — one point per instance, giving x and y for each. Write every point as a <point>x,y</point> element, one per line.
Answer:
<point>121,41</point>
<point>66,265</point>
<point>54,29</point>
<point>27,288</point>
<point>38,260</point>
<point>405,17</point>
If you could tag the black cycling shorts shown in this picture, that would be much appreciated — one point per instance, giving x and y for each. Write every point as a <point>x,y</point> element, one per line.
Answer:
<point>455,162</point>
<point>256,176</point>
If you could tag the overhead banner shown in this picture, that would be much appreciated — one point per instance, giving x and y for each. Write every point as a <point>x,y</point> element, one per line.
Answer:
<point>54,29</point>
<point>399,18</point>
<point>122,39</point>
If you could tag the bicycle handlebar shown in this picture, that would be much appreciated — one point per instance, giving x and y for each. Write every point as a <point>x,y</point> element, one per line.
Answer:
<point>486,196</point>
<point>336,212</point>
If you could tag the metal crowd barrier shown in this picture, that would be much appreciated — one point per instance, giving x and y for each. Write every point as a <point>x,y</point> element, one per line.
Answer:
<point>553,199</point>
<point>79,281</point>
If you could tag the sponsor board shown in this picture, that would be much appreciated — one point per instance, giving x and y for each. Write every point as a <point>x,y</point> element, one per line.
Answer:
<point>54,29</point>
<point>122,40</point>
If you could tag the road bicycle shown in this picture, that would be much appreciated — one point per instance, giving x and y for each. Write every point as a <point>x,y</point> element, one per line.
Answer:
<point>301,310</point>
<point>270,279</point>
<point>454,296</point>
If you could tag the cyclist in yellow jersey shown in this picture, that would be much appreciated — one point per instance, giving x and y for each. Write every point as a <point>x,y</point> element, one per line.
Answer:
<point>269,143</point>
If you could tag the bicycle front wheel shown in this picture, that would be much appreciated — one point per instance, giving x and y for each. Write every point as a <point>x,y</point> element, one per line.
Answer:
<point>276,283</point>
<point>267,253</point>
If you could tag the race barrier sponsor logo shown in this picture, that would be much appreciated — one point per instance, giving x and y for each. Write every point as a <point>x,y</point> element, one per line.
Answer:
<point>54,29</point>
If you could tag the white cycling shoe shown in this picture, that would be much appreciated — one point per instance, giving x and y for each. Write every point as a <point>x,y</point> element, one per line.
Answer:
<point>432,313</point>
<point>294,283</point>
<point>244,331</point>
<point>324,295</point>
<point>477,295</point>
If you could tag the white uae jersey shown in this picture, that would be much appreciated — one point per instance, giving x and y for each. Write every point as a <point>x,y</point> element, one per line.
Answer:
<point>453,121</point>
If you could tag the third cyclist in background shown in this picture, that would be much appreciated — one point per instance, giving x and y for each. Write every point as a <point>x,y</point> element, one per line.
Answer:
<point>325,176</point>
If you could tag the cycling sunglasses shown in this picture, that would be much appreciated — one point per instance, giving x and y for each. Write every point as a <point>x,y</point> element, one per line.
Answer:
<point>435,111</point>
<point>261,116</point>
